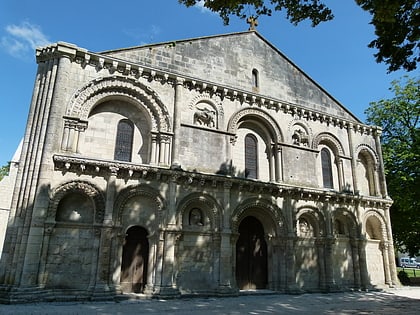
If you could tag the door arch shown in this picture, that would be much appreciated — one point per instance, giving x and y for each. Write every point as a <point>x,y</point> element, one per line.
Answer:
<point>251,255</point>
<point>134,260</point>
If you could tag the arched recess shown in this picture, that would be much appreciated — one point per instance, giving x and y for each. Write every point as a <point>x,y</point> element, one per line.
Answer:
<point>142,106</point>
<point>377,253</point>
<point>78,187</point>
<point>142,206</point>
<point>309,251</point>
<point>210,210</point>
<point>346,259</point>
<point>367,171</point>
<point>269,137</point>
<point>251,218</point>
<point>328,142</point>
<point>70,249</point>
<point>198,249</point>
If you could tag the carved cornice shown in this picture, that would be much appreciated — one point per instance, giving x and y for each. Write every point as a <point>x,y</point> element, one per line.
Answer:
<point>135,70</point>
<point>126,171</point>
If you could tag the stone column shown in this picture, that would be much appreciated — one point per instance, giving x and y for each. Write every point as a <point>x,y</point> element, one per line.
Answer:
<point>48,230</point>
<point>329,261</point>
<point>381,172</point>
<point>103,242</point>
<point>356,264</point>
<point>320,245</point>
<point>350,130</point>
<point>339,162</point>
<point>154,159</point>
<point>391,252</point>
<point>385,253</point>
<point>175,163</point>
<point>364,275</point>
<point>375,169</point>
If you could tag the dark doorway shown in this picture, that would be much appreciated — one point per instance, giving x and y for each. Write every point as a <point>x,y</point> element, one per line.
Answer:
<point>251,255</point>
<point>134,260</point>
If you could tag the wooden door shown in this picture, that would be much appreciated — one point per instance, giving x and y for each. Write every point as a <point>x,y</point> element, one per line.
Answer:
<point>251,255</point>
<point>134,260</point>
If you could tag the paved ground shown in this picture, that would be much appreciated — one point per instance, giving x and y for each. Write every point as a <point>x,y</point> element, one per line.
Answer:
<point>405,301</point>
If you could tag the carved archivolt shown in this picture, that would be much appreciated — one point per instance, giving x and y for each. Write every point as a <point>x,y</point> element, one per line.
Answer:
<point>369,151</point>
<point>85,99</point>
<point>330,140</point>
<point>383,232</point>
<point>344,216</point>
<point>269,122</point>
<point>268,213</point>
<point>206,203</point>
<point>139,190</point>
<point>79,187</point>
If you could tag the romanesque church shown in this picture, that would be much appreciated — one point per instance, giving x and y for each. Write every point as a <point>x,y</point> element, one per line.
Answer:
<point>205,166</point>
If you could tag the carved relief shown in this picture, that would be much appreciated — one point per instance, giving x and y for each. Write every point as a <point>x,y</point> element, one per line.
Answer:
<point>204,116</point>
<point>300,137</point>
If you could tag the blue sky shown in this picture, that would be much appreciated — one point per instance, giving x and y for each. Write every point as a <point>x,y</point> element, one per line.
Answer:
<point>335,53</point>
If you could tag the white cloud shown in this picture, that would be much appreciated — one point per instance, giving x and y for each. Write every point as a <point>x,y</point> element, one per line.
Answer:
<point>22,39</point>
<point>200,5</point>
<point>143,35</point>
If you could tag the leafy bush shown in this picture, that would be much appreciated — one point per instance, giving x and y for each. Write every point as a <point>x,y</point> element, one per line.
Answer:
<point>403,276</point>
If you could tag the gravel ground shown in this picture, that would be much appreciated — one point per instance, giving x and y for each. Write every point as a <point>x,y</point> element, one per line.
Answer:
<point>405,300</point>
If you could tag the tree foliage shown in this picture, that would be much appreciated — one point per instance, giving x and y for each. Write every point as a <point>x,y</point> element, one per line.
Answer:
<point>4,170</point>
<point>399,118</point>
<point>396,22</point>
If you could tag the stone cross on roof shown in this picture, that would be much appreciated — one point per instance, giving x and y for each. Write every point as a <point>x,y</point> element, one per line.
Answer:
<point>253,23</point>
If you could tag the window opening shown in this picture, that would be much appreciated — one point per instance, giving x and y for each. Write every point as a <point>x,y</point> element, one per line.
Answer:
<point>255,81</point>
<point>124,141</point>
<point>251,156</point>
<point>327,176</point>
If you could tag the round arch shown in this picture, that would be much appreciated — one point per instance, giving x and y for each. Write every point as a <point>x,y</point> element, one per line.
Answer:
<point>206,203</point>
<point>133,191</point>
<point>331,141</point>
<point>94,92</point>
<point>261,117</point>
<point>374,226</point>
<point>82,187</point>
<point>313,217</point>
<point>266,212</point>
<point>347,221</point>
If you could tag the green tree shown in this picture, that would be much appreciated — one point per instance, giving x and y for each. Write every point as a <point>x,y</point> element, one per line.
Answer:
<point>396,22</point>
<point>4,170</point>
<point>399,119</point>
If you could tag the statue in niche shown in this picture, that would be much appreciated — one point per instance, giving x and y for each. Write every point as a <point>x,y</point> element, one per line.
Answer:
<point>205,116</point>
<point>305,229</point>
<point>196,217</point>
<point>300,138</point>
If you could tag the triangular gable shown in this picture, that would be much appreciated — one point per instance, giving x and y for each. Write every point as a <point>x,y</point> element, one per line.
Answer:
<point>229,60</point>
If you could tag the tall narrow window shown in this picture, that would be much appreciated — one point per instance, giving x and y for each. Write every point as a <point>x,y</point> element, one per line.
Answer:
<point>124,141</point>
<point>251,156</point>
<point>255,83</point>
<point>327,177</point>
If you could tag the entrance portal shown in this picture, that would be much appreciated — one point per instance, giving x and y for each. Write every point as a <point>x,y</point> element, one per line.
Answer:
<point>251,255</point>
<point>134,260</point>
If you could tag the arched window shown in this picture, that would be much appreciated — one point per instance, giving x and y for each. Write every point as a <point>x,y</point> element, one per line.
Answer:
<point>327,176</point>
<point>255,79</point>
<point>251,156</point>
<point>124,141</point>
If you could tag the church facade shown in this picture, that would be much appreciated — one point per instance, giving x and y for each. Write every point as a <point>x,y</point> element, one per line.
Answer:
<point>204,166</point>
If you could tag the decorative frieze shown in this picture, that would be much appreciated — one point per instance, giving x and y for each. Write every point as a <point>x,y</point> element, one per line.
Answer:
<point>128,170</point>
<point>136,71</point>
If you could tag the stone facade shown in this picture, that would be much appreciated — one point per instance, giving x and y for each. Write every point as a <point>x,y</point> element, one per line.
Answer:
<point>201,166</point>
